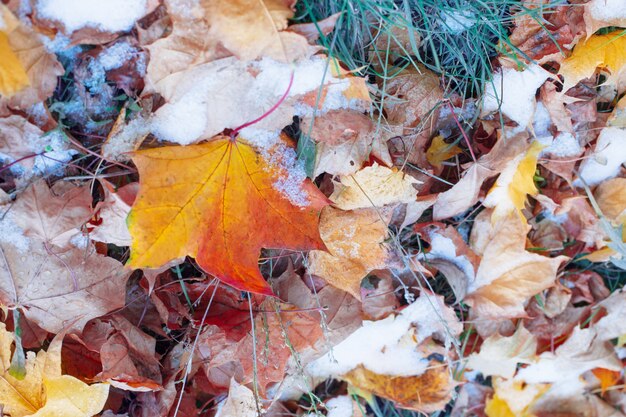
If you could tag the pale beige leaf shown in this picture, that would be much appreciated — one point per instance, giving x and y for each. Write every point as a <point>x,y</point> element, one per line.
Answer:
<point>499,355</point>
<point>374,186</point>
<point>60,288</point>
<point>508,275</point>
<point>611,197</point>
<point>239,403</point>
<point>113,212</point>
<point>355,242</point>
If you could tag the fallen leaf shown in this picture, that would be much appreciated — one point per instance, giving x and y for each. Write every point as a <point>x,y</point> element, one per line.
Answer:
<point>60,289</point>
<point>500,355</point>
<point>607,378</point>
<point>239,403</point>
<point>611,198</point>
<point>312,31</point>
<point>344,141</point>
<point>227,180</point>
<point>113,211</point>
<point>515,182</point>
<point>44,391</point>
<point>13,76</point>
<point>355,242</point>
<point>440,151</point>
<point>53,216</point>
<point>254,28</point>
<point>597,51</point>
<point>513,398</point>
<point>599,14</point>
<point>612,325</point>
<point>508,274</point>
<point>374,186</point>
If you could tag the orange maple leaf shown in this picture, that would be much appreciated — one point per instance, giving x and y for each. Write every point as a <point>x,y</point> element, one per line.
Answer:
<point>217,202</point>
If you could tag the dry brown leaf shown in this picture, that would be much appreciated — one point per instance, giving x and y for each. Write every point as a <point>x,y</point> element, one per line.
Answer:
<point>311,31</point>
<point>611,197</point>
<point>355,242</point>
<point>239,403</point>
<point>60,289</point>
<point>15,135</point>
<point>54,215</point>
<point>374,186</point>
<point>508,275</point>
<point>412,98</point>
<point>345,139</point>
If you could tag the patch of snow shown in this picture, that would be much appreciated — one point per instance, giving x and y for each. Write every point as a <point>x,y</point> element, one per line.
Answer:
<point>38,113</point>
<point>606,10</point>
<point>456,21</point>
<point>513,93</point>
<point>563,145</point>
<point>2,24</point>
<point>443,248</point>
<point>55,153</point>
<point>107,16</point>
<point>59,44</point>
<point>609,155</point>
<point>541,121</point>
<point>12,234</point>
<point>116,55</point>
<point>80,241</point>
<point>340,406</point>
<point>388,346</point>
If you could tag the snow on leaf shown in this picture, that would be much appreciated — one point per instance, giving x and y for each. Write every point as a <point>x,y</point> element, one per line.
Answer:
<point>45,391</point>
<point>374,186</point>
<point>221,207</point>
<point>355,242</point>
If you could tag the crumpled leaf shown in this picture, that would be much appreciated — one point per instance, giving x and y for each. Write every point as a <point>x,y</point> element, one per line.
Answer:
<point>45,392</point>
<point>499,355</point>
<point>465,192</point>
<point>374,186</point>
<point>598,51</point>
<point>515,182</point>
<point>355,242</point>
<point>222,207</point>
<point>344,139</point>
<point>112,213</point>
<point>508,274</point>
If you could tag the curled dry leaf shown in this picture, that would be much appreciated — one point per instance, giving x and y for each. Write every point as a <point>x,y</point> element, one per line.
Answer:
<point>465,193</point>
<point>44,391</point>
<point>221,202</point>
<point>600,14</point>
<point>345,139</point>
<point>374,186</point>
<point>508,275</point>
<point>355,242</point>
<point>113,212</point>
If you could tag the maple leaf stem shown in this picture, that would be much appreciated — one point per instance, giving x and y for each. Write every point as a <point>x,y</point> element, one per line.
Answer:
<point>236,131</point>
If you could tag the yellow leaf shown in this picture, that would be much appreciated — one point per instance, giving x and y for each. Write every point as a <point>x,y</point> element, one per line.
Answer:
<point>607,377</point>
<point>13,76</point>
<point>220,203</point>
<point>44,391</point>
<point>440,151</point>
<point>497,407</point>
<point>513,185</point>
<point>606,51</point>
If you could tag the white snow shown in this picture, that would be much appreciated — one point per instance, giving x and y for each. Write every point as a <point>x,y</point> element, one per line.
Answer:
<point>60,43</point>
<point>12,234</point>
<point>513,93</point>
<point>56,153</point>
<point>605,162</point>
<point>388,346</point>
<point>2,24</point>
<point>456,20</point>
<point>606,10</point>
<point>104,15</point>
<point>443,248</point>
<point>116,55</point>
<point>563,145</point>
<point>340,406</point>
<point>541,121</point>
